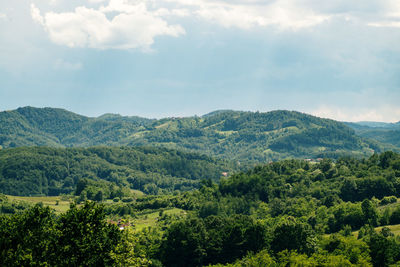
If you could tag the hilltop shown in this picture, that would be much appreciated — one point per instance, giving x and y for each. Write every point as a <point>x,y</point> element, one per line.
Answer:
<point>234,135</point>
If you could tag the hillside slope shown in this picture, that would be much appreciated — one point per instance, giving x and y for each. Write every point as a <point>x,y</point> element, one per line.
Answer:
<point>30,126</point>
<point>234,135</point>
<point>386,133</point>
<point>54,171</point>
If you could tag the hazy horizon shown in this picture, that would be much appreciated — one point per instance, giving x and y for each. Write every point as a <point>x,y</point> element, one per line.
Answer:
<point>185,115</point>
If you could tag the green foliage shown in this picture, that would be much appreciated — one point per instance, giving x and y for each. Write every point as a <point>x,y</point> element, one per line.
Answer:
<point>25,239</point>
<point>297,188</point>
<point>292,258</point>
<point>11,206</point>
<point>395,216</point>
<point>259,259</point>
<point>369,212</point>
<point>242,136</point>
<point>356,251</point>
<point>384,249</point>
<point>79,237</point>
<point>106,171</point>
<point>387,133</point>
<point>128,253</point>
<point>100,238</point>
<point>215,239</point>
<point>388,200</point>
<point>272,215</point>
<point>57,127</point>
<point>290,234</point>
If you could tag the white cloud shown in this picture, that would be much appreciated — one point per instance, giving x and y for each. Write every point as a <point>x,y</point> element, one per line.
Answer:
<point>251,13</point>
<point>392,24</point>
<point>384,113</point>
<point>128,24</point>
<point>179,12</point>
<point>35,13</point>
<point>133,26</point>
<point>293,14</point>
<point>231,17</point>
<point>61,64</point>
<point>3,16</point>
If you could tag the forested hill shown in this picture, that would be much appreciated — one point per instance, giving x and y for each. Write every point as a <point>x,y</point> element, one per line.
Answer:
<point>388,133</point>
<point>242,136</point>
<point>111,170</point>
<point>30,126</point>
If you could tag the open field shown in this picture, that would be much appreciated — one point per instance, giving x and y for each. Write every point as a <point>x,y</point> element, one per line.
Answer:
<point>150,219</point>
<point>61,204</point>
<point>58,203</point>
<point>395,229</point>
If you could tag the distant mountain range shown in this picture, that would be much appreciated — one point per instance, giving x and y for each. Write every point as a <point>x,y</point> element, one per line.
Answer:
<point>377,124</point>
<point>234,135</point>
<point>388,133</point>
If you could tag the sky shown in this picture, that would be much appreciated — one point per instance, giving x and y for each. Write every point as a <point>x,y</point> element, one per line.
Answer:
<point>335,59</point>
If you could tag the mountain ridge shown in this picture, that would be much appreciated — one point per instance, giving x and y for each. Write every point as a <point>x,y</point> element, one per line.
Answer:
<point>229,134</point>
<point>378,124</point>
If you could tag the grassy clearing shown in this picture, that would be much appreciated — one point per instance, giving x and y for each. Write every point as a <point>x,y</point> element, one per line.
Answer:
<point>58,203</point>
<point>142,221</point>
<point>226,133</point>
<point>137,192</point>
<point>167,125</point>
<point>391,205</point>
<point>150,219</point>
<point>395,229</point>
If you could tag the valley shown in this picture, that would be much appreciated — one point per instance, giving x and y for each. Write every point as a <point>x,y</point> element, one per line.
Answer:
<point>228,188</point>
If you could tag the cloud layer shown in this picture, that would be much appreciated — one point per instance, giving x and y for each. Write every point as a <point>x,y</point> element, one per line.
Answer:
<point>338,58</point>
<point>130,24</point>
<point>133,26</point>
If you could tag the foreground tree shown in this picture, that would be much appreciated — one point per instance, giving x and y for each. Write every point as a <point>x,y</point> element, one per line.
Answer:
<point>85,238</point>
<point>79,237</point>
<point>25,239</point>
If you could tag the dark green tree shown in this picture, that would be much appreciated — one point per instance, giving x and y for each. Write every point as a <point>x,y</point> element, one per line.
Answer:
<point>25,238</point>
<point>291,234</point>
<point>369,212</point>
<point>85,238</point>
<point>184,244</point>
<point>384,250</point>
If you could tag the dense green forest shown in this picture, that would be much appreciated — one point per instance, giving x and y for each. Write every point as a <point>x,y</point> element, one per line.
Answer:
<point>286,213</point>
<point>234,135</point>
<point>104,172</point>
